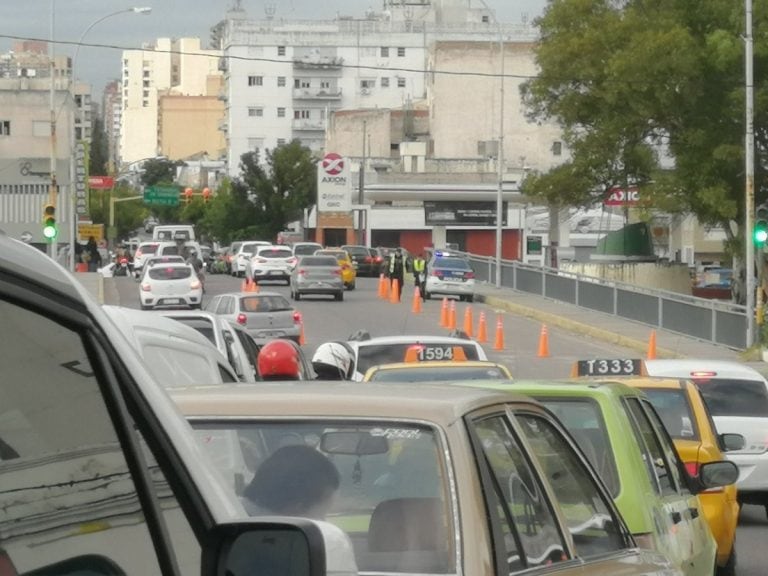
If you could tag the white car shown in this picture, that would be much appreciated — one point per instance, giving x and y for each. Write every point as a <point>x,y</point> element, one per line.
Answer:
<point>449,275</point>
<point>174,284</point>
<point>244,253</point>
<point>370,352</point>
<point>737,398</point>
<point>271,263</point>
<point>305,248</point>
<point>144,251</point>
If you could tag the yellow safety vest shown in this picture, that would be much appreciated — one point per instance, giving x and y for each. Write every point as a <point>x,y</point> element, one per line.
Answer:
<point>419,264</point>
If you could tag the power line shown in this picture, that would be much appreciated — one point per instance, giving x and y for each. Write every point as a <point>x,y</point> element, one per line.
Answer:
<point>270,60</point>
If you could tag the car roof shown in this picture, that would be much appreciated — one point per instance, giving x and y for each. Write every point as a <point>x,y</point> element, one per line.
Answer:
<point>425,365</point>
<point>246,294</point>
<point>659,383</point>
<point>412,340</point>
<point>440,404</point>
<point>683,368</point>
<point>592,388</point>
<point>128,320</point>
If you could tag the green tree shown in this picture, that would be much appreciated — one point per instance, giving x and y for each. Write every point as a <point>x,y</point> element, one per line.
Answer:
<point>159,171</point>
<point>99,151</point>
<point>649,93</point>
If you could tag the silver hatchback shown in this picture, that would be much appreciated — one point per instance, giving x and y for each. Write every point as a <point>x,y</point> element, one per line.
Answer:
<point>317,275</point>
<point>263,314</point>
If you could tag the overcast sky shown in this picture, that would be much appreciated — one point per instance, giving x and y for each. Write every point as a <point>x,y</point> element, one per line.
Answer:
<point>170,18</point>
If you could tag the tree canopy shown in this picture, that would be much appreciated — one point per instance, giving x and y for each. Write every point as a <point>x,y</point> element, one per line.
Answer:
<point>650,93</point>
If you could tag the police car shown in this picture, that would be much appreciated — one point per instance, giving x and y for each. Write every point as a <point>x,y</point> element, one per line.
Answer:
<point>449,274</point>
<point>369,352</point>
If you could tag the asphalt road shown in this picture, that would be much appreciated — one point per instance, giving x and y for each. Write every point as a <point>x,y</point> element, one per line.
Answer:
<point>325,320</point>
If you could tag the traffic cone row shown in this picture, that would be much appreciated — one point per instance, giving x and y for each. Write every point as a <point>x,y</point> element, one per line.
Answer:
<point>482,331</point>
<point>394,292</point>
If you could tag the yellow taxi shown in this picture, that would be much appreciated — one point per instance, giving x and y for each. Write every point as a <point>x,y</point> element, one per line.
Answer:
<point>425,364</point>
<point>689,423</point>
<point>348,271</point>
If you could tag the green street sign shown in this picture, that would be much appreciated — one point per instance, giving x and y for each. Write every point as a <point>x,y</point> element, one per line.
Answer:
<point>161,195</point>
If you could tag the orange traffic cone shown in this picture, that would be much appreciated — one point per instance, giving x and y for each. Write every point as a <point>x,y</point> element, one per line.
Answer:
<point>452,316</point>
<point>543,342</point>
<point>385,289</point>
<point>302,338</point>
<point>416,306</point>
<point>652,346</point>
<point>382,287</point>
<point>394,292</point>
<point>444,313</point>
<point>244,285</point>
<point>468,321</point>
<point>498,343</point>
<point>482,331</point>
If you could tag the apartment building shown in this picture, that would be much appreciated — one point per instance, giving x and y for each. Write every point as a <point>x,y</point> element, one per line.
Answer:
<point>167,67</point>
<point>285,78</point>
<point>112,109</point>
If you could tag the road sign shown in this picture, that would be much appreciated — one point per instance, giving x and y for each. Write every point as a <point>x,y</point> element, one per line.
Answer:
<point>161,195</point>
<point>26,237</point>
<point>85,231</point>
<point>101,182</point>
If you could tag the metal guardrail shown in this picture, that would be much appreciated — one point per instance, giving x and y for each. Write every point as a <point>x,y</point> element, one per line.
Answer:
<point>712,321</point>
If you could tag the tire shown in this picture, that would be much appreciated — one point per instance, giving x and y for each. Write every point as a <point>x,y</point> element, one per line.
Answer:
<point>143,307</point>
<point>352,286</point>
<point>471,298</point>
<point>297,295</point>
<point>339,296</point>
<point>427,295</point>
<point>293,294</point>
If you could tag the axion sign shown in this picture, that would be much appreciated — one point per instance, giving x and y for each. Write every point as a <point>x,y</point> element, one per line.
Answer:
<point>333,164</point>
<point>334,186</point>
<point>621,197</point>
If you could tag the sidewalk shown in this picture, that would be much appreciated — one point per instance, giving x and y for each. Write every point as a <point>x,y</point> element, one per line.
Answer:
<point>604,327</point>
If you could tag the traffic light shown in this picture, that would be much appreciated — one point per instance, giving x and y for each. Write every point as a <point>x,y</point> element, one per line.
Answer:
<point>206,195</point>
<point>188,195</point>
<point>50,231</point>
<point>760,230</point>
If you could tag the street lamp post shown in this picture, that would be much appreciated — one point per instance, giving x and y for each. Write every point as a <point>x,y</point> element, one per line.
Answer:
<point>75,114</point>
<point>500,160</point>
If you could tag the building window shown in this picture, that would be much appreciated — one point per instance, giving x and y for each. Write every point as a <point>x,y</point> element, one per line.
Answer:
<point>146,83</point>
<point>367,83</point>
<point>255,80</point>
<point>145,103</point>
<point>486,19</point>
<point>325,84</point>
<point>5,127</point>
<point>297,83</point>
<point>145,94</point>
<point>280,81</point>
<point>401,82</point>
<point>385,82</point>
<point>301,114</point>
<point>281,112</point>
<point>253,111</point>
<point>557,148</point>
<point>146,73</point>
<point>281,50</point>
<point>385,51</point>
<point>125,62</point>
<point>281,141</point>
<point>255,144</point>
<point>401,52</point>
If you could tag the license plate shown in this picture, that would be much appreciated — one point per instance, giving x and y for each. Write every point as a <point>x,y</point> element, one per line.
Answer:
<point>271,334</point>
<point>171,301</point>
<point>319,285</point>
<point>274,272</point>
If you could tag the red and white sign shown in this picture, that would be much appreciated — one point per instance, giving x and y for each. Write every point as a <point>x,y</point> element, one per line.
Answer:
<point>333,163</point>
<point>622,197</point>
<point>101,182</point>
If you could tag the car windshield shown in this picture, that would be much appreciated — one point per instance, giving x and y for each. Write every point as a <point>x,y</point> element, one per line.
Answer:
<point>582,418</point>
<point>264,304</point>
<point>391,500</point>
<point>374,354</point>
<point>732,397</point>
<point>357,250</point>
<point>337,255</point>
<point>170,272</point>
<point>451,264</point>
<point>319,261</point>
<point>275,253</point>
<point>148,248</point>
<point>435,374</point>
<point>305,249</point>
<point>675,411</point>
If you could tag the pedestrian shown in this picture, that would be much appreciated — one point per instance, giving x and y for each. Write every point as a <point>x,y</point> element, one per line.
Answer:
<point>397,271</point>
<point>420,274</point>
<point>94,258</point>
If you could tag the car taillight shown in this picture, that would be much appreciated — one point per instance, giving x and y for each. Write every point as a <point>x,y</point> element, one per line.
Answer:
<point>436,274</point>
<point>302,272</point>
<point>345,266</point>
<point>368,259</point>
<point>138,253</point>
<point>146,287</point>
<point>297,317</point>
<point>337,272</point>
<point>241,319</point>
<point>692,468</point>
<point>261,260</point>
<point>195,284</point>
<point>292,261</point>
<point>379,259</point>
<point>469,275</point>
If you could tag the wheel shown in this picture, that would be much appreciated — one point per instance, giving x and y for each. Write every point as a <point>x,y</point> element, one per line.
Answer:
<point>339,296</point>
<point>298,295</point>
<point>143,307</point>
<point>471,298</point>
<point>198,306</point>
<point>351,286</point>
<point>730,567</point>
<point>427,295</point>
<point>293,294</point>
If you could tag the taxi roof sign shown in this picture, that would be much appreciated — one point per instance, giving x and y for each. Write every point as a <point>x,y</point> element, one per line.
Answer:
<point>609,367</point>
<point>434,352</point>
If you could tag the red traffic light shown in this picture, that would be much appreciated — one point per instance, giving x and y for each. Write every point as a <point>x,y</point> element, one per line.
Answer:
<point>188,195</point>
<point>206,194</point>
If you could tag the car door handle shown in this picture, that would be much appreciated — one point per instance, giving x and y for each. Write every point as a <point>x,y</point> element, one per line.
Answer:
<point>676,517</point>
<point>694,512</point>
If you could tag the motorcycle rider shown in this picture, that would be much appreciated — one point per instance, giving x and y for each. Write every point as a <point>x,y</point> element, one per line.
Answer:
<point>333,361</point>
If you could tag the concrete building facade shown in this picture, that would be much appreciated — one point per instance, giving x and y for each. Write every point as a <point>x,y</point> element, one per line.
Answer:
<point>165,67</point>
<point>112,109</point>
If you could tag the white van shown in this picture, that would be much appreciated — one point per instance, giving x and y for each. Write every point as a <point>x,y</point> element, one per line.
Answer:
<point>174,232</point>
<point>175,354</point>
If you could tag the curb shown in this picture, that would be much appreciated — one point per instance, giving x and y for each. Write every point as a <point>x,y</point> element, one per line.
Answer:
<point>574,326</point>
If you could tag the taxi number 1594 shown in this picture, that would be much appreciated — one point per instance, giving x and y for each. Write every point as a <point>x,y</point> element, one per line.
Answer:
<point>428,353</point>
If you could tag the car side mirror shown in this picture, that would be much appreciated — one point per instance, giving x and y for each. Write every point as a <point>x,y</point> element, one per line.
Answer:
<point>717,474</point>
<point>274,545</point>
<point>731,442</point>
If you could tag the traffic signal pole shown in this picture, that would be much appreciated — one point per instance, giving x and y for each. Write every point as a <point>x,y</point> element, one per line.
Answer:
<point>749,154</point>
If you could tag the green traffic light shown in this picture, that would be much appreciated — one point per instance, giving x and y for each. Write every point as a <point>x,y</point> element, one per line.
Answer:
<point>50,232</point>
<point>761,233</point>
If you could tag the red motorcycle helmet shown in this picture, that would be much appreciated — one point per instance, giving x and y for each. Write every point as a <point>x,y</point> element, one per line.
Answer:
<point>279,360</point>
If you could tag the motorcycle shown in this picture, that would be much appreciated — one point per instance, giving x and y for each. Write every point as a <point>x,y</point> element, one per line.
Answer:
<point>121,268</point>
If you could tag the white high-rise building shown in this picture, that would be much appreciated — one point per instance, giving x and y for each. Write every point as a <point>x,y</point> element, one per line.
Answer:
<point>178,66</point>
<point>284,78</point>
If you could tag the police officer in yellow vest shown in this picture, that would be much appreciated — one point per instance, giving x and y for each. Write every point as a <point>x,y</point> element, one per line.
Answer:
<point>420,273</point>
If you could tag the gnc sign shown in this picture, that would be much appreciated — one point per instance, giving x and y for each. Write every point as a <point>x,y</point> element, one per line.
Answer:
<point>622,197</point>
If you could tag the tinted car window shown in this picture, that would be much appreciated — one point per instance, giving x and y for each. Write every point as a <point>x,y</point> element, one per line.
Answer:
<point>434,374</point>
<point>169,272</point>
<point>305,249</point>
<point>730,397</point>
<point>375,354</point>
<point>275,253</point>
<point>356,250</point>
<point>264,304</point>
<point>675,412</point>
<point>318,261</point>
<point>148,248</point>
<point>336,254</point>
<point>451,264</point>
<point>653,452</point>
